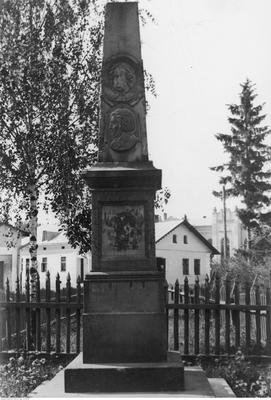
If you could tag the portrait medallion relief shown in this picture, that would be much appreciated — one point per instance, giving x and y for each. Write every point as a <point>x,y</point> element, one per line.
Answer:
<point>122,81</point>
<point>123,133</point>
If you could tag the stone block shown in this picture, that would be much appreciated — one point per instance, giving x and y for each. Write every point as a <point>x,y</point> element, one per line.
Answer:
<point>123,377</point>
<point>127,292</point>
<point>124,337</point>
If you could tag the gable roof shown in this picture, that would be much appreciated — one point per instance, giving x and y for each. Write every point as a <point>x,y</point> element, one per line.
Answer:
<point>162,229</point>
<point>60,238</point>
<point>23,232</point>
<point>262,244</point>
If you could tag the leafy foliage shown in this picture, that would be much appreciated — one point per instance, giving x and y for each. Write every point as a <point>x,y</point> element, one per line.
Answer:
<point>245,267</point>
<point>49,85</point>
<point>24,373</point>
<point>245,174</point>
<point>245,378</point>
<point>162,198</point>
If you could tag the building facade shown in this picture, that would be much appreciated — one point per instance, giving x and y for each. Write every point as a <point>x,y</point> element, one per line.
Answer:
<point>10,242</point>
<point>186,251</point>
<point>56,256</point>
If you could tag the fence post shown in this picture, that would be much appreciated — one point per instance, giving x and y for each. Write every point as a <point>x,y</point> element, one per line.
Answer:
<point>247,316</point>
<point>57,313</point>
<point>217,314</point>
<point>38,335</point>
<point>68,314</point>
<point>17,313</point>
<point>196,316</point>
<point>268,321</point>
<point>27,311</point>
<point>176,315</point>
<point>227,315</point>
<point>48,312</point>
<point>78,315</point>
<point>236,315</point>
<point>166,303</point>
<point>258,315</point>
<point>186,317</point>
<point>8,315</point>
<point>207,316</point>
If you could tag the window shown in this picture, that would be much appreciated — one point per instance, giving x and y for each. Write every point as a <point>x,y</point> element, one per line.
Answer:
<point>63,264</point>
<point>174,239</point>
<point>185,266</point>
<point>197,266</point>
<point>185,239</point>
<point>44,264</point>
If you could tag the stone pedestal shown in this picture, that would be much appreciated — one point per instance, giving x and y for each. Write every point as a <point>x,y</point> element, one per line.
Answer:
<point>124,318</point>
<point>167,376</point>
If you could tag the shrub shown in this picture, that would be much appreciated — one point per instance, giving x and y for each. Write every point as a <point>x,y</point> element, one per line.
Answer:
<point>23,374</point>
<point>245,378</point>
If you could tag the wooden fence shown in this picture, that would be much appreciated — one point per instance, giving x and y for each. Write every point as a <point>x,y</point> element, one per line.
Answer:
<point>200,320</point>
<point>51,323</point>
<point>201,323</point>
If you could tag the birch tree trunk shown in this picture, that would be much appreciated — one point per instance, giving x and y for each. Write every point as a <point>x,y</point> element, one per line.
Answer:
<point>33,247</point>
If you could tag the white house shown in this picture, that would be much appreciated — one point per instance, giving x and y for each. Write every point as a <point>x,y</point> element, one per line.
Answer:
<point>10,242</point>
<point>186,251</point>
<point>56,256</point>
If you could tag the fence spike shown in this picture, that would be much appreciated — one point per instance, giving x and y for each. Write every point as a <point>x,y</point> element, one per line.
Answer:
<point>7,290</point>
<point>17,294</point>
<point>47,286</point>
<point>37,287</point>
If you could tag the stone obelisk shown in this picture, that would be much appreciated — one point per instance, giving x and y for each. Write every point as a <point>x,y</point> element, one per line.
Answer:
<point>124,320</point>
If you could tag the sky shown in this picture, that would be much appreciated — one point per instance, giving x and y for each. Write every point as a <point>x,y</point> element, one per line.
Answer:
<point>199,51</point>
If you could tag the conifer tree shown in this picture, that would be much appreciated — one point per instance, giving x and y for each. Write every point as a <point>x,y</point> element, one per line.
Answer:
<point>245,174</point>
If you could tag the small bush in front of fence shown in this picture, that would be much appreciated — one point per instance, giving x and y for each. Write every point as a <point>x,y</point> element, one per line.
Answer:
<point>22,374</point>
<point>244,377</point>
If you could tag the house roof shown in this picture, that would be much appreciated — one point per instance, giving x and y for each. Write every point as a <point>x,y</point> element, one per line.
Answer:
<point>162,229</point>
<point>60,238</point>
<point>262,244</point>
<point>25,233</point>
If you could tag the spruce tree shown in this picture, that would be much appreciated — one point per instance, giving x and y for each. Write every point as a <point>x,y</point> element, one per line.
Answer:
<point>245,174</point>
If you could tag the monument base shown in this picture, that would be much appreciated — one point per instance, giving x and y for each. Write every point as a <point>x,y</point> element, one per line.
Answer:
<point>125,377</point>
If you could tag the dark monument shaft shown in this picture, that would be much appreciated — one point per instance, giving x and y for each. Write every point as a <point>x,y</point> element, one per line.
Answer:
<point>124,320</point>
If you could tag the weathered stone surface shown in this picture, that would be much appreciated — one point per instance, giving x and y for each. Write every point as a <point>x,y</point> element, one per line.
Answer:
<point>124,292</point>
<point>119,259</point>
<point>124,318</point>
<point>124,337</point>
<point>124,377</point>
<point>123,116</point>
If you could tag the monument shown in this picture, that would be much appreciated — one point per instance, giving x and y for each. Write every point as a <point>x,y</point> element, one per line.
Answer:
<point>124,320</point>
